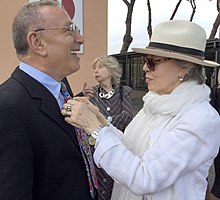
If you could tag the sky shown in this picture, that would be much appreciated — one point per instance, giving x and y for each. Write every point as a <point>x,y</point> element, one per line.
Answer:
<point>162,10</point>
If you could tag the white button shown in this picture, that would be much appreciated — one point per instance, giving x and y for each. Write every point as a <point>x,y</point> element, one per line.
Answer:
<point>109,118</point>
<point>108,108</point>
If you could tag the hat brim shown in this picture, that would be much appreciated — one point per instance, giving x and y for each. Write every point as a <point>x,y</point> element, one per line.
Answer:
<point>171,54</point>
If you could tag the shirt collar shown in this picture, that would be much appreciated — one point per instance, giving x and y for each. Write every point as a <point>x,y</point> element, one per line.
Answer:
<point>50,83</point>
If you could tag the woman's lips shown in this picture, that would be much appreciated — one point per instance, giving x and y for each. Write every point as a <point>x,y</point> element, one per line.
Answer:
<point>148,79</point>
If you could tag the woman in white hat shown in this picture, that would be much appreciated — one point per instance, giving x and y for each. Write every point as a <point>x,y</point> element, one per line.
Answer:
<point>168,148</point>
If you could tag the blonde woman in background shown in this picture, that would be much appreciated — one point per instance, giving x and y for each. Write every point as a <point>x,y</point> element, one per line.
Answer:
<point>114,102</point>
<point>112,99</point>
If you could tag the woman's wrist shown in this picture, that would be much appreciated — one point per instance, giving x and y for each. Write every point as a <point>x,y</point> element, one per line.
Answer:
<point>94,134</point>
<point>102,119</point>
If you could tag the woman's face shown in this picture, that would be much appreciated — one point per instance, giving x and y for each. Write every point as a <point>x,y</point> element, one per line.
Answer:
<point>164,78</point>
<point>101,73</point>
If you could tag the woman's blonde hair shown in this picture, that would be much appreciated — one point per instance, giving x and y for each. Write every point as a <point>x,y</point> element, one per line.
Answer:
<point>112,65</point>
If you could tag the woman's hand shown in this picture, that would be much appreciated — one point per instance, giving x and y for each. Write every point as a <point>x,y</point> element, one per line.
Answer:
<point>93,109</point>
<point>80,112</point>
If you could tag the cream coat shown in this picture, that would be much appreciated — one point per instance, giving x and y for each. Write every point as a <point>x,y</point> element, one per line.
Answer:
<point>177,162</point>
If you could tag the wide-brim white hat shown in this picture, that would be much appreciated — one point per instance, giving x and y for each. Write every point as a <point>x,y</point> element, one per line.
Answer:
<point>179,39</point>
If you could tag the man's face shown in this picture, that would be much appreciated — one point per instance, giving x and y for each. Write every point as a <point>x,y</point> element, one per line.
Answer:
<point>61,43</point>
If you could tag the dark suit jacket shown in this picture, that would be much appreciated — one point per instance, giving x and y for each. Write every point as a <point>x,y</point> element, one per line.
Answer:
<point>40,157</point>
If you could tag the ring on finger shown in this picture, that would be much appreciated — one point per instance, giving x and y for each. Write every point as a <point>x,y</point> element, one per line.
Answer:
<point>68,114</point>
<point>69,108</point>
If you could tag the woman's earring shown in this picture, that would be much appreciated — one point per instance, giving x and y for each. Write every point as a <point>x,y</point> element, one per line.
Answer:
<point>181,78</point>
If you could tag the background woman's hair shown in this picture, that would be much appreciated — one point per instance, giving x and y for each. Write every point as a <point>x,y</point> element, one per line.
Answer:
<point>195,72</point>
<point>112,65</point>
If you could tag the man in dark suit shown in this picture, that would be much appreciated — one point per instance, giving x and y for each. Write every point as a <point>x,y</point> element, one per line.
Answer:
<point>40,157</point>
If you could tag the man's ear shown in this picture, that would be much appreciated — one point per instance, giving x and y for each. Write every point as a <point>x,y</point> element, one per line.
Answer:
<point>36,43</point>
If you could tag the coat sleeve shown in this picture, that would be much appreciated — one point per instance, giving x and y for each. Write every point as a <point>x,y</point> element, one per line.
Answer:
<point>16,168</point>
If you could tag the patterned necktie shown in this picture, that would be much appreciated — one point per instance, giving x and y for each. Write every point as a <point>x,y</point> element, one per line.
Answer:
<point>84,148</point>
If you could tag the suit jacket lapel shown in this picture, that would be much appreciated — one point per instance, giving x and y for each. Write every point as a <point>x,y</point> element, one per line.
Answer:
<point>51,109</point>
<point>49,105</point>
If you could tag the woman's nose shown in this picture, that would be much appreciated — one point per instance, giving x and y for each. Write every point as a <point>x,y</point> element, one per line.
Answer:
<point>145,67</point>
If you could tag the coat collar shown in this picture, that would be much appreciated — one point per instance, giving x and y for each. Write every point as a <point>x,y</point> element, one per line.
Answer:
<point>49,105</point>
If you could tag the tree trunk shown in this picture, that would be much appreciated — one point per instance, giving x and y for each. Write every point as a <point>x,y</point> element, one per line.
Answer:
<point>175,10</point>
<point>193,4</point>
<point>149,27</point>
<point>127,40</point>
<point>215,26</point>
